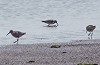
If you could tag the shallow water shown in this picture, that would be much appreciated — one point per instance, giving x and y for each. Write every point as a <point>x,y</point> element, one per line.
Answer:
<point>26,16</point>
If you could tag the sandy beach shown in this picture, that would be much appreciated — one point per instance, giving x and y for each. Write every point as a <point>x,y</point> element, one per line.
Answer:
<point>69,53</point>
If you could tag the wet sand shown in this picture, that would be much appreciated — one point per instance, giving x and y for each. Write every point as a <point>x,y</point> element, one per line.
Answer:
<point>69,53</point>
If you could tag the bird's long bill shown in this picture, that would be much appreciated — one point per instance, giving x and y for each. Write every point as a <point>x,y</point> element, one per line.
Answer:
<point>8,33</point>
<point>43,21</point>
<point>57,24</point>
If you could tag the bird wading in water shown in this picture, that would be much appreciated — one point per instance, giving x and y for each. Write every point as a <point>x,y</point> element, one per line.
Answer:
<point>49,22</point>
<point>16,34</point>
<point>90,29</point>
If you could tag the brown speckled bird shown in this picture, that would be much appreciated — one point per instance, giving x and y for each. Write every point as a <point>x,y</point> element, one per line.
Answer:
<point>90,29</point>
<point>16,34</point>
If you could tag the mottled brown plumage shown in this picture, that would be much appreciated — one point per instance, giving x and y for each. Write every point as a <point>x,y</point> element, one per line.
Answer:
<point>90,29</point>
<point>16,34</point>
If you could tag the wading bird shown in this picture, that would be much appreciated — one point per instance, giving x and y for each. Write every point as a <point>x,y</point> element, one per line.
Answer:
<point>90,29</point>
<point>49,22</point>
<point>16,34</point>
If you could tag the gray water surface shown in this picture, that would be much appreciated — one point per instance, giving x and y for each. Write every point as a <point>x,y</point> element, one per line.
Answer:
<point>26,16</point>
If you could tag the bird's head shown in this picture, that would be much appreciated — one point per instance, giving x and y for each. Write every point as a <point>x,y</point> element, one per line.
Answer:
<point>10,32</point>
<point>94,26</point>
<point>56,22</point>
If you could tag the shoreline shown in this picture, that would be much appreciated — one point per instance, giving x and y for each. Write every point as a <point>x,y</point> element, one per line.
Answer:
<point>69,53</point>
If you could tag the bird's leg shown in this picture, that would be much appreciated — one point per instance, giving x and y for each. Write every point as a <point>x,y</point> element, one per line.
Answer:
<point>48,25</point>
<point>17,40</point>
<point>89,34</point>
<point>92,33</point>
<point>14,41</point>
<point>88,37</point>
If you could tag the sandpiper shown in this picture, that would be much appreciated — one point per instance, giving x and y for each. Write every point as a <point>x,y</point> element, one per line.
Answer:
<point>50,22</point>
<point>16,34</point>
<point>90,29</point>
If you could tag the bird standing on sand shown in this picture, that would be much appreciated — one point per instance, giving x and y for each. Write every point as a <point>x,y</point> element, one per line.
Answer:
<point>16,34</point>
<point>90,29</point>
<point>50,22</point>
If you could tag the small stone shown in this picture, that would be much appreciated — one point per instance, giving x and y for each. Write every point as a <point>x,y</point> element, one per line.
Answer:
<point>64,52</point>
<point>55,46</point>
<point>30,61</point>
